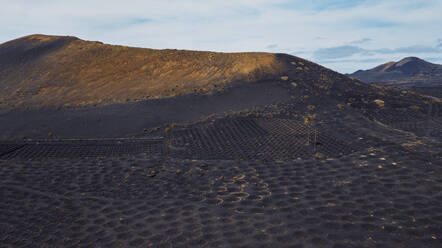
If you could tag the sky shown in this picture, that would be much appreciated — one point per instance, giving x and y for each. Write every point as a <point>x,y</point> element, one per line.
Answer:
<point>343,35</point>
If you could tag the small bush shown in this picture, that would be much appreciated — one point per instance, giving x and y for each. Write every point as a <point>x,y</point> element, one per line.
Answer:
<point>309,118</point>
<point>380,103</point>
<point>319,155</point>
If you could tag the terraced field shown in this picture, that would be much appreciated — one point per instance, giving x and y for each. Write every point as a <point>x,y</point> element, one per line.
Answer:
<point>8,147</point>
<point>81,148</point>
<point>251,138</point>
<point>238,181</point>
<point>429,124</point>
<point>384,197</point>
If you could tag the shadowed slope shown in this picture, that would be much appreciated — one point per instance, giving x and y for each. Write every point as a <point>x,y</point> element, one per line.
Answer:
<point>41,70</point>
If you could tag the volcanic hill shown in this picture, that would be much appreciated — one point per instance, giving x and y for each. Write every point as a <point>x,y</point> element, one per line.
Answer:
<point>111,146</point>
<point>410,73</point>
<point>63,84</point>
<point>41,70</point>
<point>70,88</point>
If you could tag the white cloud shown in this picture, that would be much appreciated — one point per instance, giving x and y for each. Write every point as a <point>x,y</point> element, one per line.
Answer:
<point>237,25</point>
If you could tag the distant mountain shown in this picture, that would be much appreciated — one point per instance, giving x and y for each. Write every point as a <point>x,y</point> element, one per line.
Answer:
<point>407,73</point>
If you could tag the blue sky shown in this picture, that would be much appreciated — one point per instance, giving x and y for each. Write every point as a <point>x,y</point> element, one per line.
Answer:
<point>344,35</point>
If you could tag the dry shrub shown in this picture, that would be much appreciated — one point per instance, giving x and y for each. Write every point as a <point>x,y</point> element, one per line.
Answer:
<point>380,103</point>
<point>319,155</point>
<point>412,144</point>
<point>309,118</point>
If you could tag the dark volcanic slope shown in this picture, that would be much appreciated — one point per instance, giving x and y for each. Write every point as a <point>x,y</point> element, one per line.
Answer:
<point>287,154</point>
<point>65,87</point>
<point>406,73</point>
<point>56,71</point>
<point>75,88</point>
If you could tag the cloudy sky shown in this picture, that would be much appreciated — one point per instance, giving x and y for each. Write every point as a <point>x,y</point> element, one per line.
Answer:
<point>344,35</point>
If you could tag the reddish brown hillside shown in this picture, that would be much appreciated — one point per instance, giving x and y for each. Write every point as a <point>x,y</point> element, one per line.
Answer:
<point>41,70</point>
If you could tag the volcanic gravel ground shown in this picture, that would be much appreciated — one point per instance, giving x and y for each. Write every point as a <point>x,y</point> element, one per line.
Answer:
<point>344,181</point>
<point>429,124</point>
<point>384,197</point>
<point>259,138</point>
<point>80,148</point>
<point>6,148</point>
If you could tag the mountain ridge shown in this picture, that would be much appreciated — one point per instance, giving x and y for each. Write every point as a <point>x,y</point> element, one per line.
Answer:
<point>41,70</point>
<point>406,73</point>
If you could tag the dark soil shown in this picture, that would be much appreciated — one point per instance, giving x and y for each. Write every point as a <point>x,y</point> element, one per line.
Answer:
<point>379,197</point>
<point>300,157</point>
<point>129,119</point>
<point>248,180</point>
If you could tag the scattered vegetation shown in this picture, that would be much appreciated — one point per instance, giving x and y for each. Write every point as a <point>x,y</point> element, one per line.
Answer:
<point>319,155</point>
<point>309,118</point>
<point>380,103</point>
